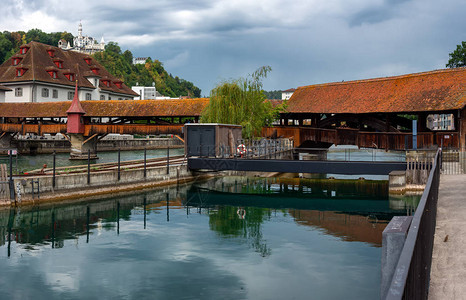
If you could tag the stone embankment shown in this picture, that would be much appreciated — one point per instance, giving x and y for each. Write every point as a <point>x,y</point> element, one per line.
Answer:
<point>102,179</point>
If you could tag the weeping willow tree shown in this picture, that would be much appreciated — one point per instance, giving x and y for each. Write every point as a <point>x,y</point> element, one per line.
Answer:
<point>241,101</point>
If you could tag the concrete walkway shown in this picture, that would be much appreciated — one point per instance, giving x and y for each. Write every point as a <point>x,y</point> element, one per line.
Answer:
<point>448,273</point>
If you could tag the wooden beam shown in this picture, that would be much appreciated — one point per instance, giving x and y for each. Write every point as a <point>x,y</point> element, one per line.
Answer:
<point>90,138</point>
<point>67,137</point>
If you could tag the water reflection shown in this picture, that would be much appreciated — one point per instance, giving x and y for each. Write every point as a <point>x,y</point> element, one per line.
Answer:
<point>236,207</point>
<point>354,210</point>
<point>273,239</point>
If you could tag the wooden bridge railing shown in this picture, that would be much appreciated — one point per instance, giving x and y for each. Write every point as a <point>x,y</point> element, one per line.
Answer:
<point>132,129</point>
<point>144,129</point>
<point>38,129</point>
<point>348,136</point>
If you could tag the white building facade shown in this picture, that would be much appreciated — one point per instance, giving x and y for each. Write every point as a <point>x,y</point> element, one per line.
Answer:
<point>287,94</point>
<point>83,44</point>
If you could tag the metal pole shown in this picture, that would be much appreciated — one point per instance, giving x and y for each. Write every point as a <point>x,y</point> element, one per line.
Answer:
<point>53,229</point>
<point>145,163</point>
<point>11,183</point>
<point>88,216</point>
<point>145,204</point>
<point>118,218</point>
<point>53,178</point>
<point>88,166</point>
<point>168,208</point>
<point>118,164</point>
<point>168,157</point>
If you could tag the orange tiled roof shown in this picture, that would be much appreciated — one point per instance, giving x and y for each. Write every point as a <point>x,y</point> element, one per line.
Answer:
<point>428,91</point>
<point>38,61</point>
<point>275,102</point>
<point>108,108</point>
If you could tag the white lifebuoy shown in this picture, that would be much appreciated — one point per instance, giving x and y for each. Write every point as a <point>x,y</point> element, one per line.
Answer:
<point>241,212</point>
<point>241,149</point>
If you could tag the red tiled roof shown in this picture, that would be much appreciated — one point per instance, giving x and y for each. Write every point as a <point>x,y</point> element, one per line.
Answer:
<point>37,60</point>
<point>107,108</point>
<point>275,102</point>
<point>289,91</point>
<point>428,91</point>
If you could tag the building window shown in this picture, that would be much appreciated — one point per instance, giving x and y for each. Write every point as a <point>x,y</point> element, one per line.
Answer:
<point>70,76</point>
<point>102,97</point>
<point>88,96</point>
<point>18,92</point>
<point>54,93</point>
<point>45,93</point>
<point>70,95</point>
<point>20,71</point>
<point>16,61</point>
<point>53,74</point>
<point>95,81</point>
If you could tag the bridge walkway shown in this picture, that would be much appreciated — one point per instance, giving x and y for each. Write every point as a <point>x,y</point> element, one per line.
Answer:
<point>448,270</point>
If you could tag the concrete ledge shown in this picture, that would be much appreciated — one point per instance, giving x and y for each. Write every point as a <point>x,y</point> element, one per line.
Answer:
<point>393,240</point>
<point>75,185</point>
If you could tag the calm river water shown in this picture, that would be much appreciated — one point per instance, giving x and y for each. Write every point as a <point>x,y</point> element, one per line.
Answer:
<point>228,238</point>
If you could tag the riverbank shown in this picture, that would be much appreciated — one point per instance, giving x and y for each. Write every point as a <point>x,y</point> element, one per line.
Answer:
<point>101,179</point>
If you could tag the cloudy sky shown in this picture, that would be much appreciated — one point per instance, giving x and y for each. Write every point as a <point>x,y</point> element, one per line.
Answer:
<point>304,41</point>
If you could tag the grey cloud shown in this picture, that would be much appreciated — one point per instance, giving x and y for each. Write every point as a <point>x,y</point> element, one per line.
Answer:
<point>376,14</point>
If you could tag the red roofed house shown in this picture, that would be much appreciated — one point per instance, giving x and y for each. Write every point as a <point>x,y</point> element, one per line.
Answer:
<point>42,73</point>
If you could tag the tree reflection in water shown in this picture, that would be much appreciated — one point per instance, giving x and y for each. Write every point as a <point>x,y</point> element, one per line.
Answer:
<point>242,222</point>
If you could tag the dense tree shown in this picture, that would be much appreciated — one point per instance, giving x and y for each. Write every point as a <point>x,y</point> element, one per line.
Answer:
<point>120,64</point>
<point>5,47</point>
<point>241,102</point>
<point>276,94</point>
<point>458,57</point>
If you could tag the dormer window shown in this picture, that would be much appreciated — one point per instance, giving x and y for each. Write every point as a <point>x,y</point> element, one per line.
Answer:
<point>88,60</point>
<point>70,76</point>
<point>23,49</point>
<point>20,71</point>
<point>95,70</point>
<point>53,74</point>
<point>105,82</point>
<point>16,60</point>
<point>118,84</point>
<point>59,63</point>
<point>51,52</point>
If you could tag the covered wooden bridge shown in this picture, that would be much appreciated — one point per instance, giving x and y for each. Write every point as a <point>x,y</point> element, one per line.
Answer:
<point>83,123</point>
<point>378,113</point>
<point>103,116</point>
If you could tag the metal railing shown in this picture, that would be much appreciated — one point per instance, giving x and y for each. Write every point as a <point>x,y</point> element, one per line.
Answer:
<point>453,162</point>
<point>246,149</point>
<point>412,274</point>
